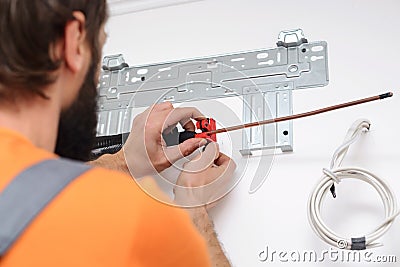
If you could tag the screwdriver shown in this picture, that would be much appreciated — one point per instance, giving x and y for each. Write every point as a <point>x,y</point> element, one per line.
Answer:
<point>209,131</point>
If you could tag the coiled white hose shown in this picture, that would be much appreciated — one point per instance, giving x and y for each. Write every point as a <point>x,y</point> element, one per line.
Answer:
<point>334,175</point>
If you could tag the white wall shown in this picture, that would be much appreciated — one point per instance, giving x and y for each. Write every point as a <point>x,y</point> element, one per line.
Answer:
<point>364,59</point>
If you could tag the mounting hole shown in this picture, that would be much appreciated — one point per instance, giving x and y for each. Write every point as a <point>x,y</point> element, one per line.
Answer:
<point>303,50</point>
<point>285,132</point>
<point>293,68</point>
<point>143,78</point>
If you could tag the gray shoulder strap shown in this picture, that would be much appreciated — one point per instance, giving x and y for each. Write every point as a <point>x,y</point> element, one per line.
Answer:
<point>29,192</point>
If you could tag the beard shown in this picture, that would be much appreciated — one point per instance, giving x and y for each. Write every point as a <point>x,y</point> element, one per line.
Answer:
<point>77,126</point>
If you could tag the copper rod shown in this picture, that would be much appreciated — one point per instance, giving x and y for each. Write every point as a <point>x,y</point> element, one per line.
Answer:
<point>302,115</point>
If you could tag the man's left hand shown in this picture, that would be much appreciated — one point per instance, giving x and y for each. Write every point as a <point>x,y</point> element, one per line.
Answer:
<point>145,151</point>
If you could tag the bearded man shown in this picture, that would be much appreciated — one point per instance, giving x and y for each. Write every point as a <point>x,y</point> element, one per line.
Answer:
<point>56,210</point>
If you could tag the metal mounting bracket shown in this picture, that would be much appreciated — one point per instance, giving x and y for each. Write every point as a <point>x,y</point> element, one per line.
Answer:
<point>263,78</point>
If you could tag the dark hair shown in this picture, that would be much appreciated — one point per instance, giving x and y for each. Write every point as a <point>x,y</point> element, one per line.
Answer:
<point>28,29</point>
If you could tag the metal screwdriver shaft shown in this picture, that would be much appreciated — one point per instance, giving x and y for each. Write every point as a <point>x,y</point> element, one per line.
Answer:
<point>302,115</point>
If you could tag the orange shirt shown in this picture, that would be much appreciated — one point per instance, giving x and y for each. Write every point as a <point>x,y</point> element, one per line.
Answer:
<point>102,218</point>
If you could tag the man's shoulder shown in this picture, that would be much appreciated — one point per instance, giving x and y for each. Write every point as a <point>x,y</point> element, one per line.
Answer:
<point>104,172</point>
<point>115,186</point>
<point>105,181</point>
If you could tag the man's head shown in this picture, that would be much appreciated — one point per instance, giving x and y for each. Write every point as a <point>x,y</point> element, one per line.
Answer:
<point>40,38</point>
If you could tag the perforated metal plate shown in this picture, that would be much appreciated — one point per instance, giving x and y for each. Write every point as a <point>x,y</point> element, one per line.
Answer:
<point>263,78</point>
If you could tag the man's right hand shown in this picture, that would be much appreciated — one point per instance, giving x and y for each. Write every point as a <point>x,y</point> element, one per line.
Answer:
<point>145,151</point>
<point>205,179</point>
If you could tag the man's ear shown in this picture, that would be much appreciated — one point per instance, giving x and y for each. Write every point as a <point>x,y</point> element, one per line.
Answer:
<point>75,42</point>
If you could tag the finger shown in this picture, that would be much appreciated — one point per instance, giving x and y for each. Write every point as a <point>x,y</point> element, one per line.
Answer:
<point>160,110</point>
<point>224,173</point>
<point>152,108</point>
<point>222,160</point>
<point>188,125</point>
<point>182,114</point>
<point>163,106</point>
<point>156,119</point>
<point>226,163</point>
<point>204,160</point>
<point>157,107</point>
<point>175,153</point>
